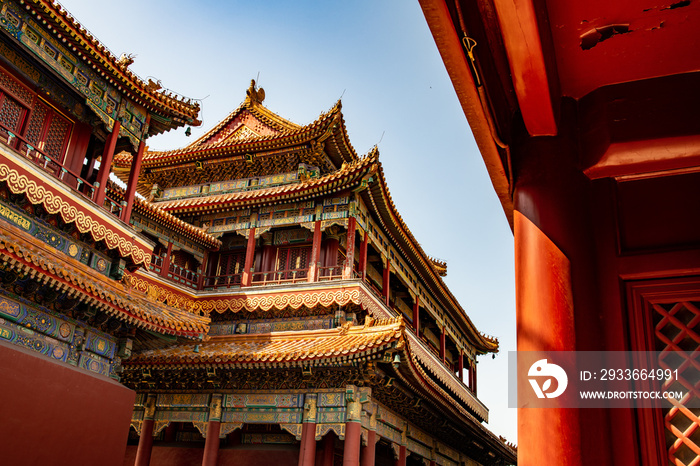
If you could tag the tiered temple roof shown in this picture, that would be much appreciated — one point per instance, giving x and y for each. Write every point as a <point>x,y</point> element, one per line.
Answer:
<point>170,109</point>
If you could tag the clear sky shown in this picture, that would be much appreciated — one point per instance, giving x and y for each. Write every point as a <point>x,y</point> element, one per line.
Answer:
<point>380,57</point>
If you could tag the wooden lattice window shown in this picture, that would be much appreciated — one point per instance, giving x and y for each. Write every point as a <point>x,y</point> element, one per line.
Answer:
<point>23,113</point>
<point>665,317</point>
<point>12,115</point>
<point>676,336</point>
<point>294,262</point>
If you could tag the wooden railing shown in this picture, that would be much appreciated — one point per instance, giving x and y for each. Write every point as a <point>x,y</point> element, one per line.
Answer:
<point>330,273</point>
<point>182,275</point>
<point>223,281</point>
<point>280,276</point>
<point>54,167</point>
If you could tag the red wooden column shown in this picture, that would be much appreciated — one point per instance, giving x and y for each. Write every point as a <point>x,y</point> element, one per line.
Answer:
<point>106,165</point>
<point>166,261</point>
<point>401,460</point>
<point>211,445</point>
<point>353,431</point>
<point>315,251</point>
<point>385,281</point>
<point>203,270</point>
<point>133,181</point>
<point>143,452</point>
<point>474,378</point>
<point>307,449</point>
<point>461,367</point>
<point>247,278</point>
<point>350,249</point>
<point>442,345</point>
<point>416,315</point>
<point>368,453</point>
<point>543,294</point>
<point>363,256</point>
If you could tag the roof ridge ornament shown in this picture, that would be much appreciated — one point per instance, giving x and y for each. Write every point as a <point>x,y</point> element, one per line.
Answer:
<point>254,94</point>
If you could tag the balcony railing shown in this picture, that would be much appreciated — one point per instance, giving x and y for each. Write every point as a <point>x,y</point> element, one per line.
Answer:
<point>54,167</point>
<point>156,264</point>
<point>182,275</point>
<point>330,273</point>
<point>223,281</point>
<point>280,276</point>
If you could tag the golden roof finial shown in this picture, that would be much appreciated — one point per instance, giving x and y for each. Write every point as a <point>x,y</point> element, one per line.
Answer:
<point>254,94</point>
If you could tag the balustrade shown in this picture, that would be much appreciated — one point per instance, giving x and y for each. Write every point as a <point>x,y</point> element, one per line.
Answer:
<point>55,168</point>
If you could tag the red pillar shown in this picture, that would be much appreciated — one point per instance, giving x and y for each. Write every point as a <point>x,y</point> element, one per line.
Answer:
<point>353,433</point>
<point>143,452</point>
<point>461,367</point>
<point>385,281</point>
<point>106,164</point>
<point>416,315</point>
<point>133,181</point>
<point>203,270</point>
<point>307,449</point>
<point>328,450</point>
<point>249,256</point>
<point>442,345</point>
<point>368,452</point>
<point>543,294</point>
<point>315,251</point>
<point>474,378</point>
<point>350,250</point>
<point>211,446</point>
<point>166,261</point>
<point>351,455</point>
<point>401,461</point>
<point>363,256</point>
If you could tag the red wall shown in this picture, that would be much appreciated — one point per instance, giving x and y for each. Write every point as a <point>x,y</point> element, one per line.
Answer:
<point>240,456</point>
<point>55,414</point>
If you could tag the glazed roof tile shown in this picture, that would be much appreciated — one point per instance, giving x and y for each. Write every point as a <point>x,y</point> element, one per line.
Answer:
<point>291,347</point>
<point>155,213</point>
<point>28,254</point>
<point>326,124</point>
<point>379,198</point>
<point>95,54</point>
<point>340,179</point>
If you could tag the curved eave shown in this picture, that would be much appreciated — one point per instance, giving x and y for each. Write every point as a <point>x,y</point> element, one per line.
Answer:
<point>29,254</point>
<point>421,382</point>
<point>69,31</point>
<point>452,52</point>
<point>392,223</point>
<point>328,347</point>
<point>259,111</point>
<point>323,128</point>
<point>343,179</point>
<point>153,212</point>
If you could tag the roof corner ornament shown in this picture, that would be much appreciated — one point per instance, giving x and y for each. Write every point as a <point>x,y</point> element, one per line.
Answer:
<point>125,60</point>
<point>254,94</point>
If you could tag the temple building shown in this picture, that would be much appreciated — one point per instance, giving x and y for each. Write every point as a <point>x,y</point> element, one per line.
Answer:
<point>585,113</point>
<point>333,337</point>
<point>252,298</point>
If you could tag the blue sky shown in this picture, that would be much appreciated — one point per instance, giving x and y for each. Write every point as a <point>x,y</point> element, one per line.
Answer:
<point>380,56</point>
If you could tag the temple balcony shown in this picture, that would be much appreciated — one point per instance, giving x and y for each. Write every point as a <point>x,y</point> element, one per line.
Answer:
<point>59,191</point>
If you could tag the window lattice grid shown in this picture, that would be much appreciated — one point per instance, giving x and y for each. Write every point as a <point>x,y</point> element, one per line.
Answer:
<point>11,113</point>
<point>36,123</point>
<point>676,337</point>
<point>13,86</point>
<point>56,137</point>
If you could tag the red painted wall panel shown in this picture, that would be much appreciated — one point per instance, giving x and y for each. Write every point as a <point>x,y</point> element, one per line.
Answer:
<point>58,415</point>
